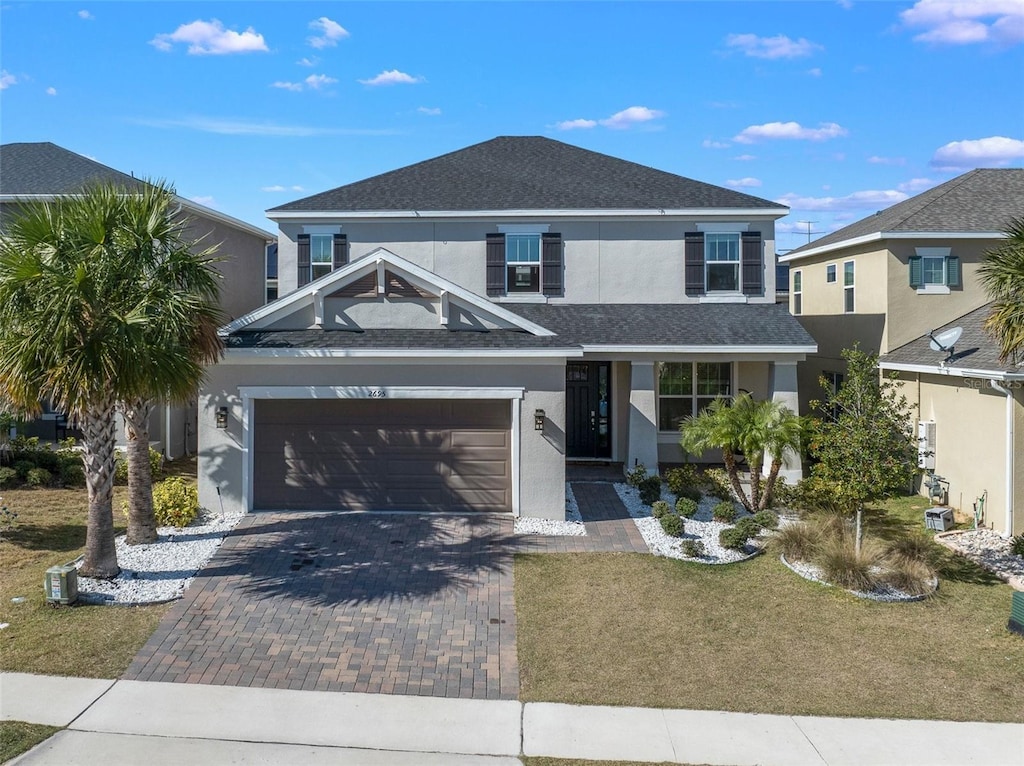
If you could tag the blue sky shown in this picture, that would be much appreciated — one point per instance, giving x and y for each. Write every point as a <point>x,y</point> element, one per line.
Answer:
<point>837,109</point>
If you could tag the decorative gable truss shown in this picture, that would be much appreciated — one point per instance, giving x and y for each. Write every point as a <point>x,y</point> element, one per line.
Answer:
<point>383,291</point>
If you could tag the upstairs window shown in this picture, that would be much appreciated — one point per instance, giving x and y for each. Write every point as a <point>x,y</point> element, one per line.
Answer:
<point>848,304</point>
<point>522,263</point>
<point>318,254</point>
<point>722,262</point>
<point>321,255</point>
<point>798,293</point>
<point>830,273</point>
<point>934,270</point>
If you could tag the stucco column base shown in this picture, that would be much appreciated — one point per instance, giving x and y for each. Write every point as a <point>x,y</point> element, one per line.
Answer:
<point>783,387</point>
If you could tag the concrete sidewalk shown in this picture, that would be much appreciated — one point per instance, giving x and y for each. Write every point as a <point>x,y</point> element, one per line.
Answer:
<point>115,722</point>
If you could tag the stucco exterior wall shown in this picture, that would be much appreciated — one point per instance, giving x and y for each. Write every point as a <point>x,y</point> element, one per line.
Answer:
<point>606,261</point>
<point>242,265</point>
<point>542,453</point>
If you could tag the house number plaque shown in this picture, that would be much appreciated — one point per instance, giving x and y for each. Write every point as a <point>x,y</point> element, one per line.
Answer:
<point>377,393</point>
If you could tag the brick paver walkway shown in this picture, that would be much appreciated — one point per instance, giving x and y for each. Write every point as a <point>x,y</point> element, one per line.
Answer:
<point>380,603</point>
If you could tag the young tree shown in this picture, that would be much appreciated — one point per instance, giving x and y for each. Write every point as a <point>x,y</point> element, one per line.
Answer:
<point>866,446</point>
<point>751,428</point>
<point>1002,276</point>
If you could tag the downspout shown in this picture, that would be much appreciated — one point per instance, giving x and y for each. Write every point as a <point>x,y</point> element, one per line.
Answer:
<point>167,432</point>
<point>1008,393</point>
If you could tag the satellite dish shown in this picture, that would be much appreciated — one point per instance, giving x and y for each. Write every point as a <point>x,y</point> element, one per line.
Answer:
<point>945,340</point>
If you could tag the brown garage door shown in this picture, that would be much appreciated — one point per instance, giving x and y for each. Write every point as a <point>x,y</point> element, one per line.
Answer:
<point>391,454</point>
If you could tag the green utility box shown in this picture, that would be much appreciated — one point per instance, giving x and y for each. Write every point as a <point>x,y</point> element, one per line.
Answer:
<point>1016,623</point>
<point>61,584</point>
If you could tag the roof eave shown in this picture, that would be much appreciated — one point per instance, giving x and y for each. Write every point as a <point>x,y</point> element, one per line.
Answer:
<point>700,212</point>
<point>880,235</point>
<point>956,372</point>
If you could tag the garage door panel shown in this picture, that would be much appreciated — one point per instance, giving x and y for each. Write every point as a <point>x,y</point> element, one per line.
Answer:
<point>417,455</point>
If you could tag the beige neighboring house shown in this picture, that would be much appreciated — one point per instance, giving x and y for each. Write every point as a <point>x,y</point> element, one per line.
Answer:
<point>887,281</point>
<point>44,171</point>
<point>451,333</point>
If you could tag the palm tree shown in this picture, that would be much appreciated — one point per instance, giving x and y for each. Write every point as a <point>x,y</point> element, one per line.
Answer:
<point>1002,276</point>
<point>66,333</point>
<point>754,429</point>
<point>177,297</point>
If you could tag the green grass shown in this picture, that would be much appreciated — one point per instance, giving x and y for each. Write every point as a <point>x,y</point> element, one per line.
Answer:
<point>89,641</point>
<point>17,737</point>
<point>625,629</point>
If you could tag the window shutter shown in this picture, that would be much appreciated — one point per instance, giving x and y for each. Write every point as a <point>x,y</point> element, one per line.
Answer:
<point>952,271</point>
<point>693,256</point>
<point>916,271</point>
<point>340,250</point>
<point>751,263</point>
<point>551,264</point>
<point>495,264</point>
<point>303,259</point>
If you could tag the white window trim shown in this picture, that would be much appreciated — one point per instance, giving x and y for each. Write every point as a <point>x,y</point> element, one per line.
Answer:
<point>723,228</point>
<point>835,273</point>
<point>539,263</point>
<point>730,295</point>
<point>692,397</point>
<point>798,276</point>
<point>935,288</point>
<point>524,228</point>
<point>320,229</point>
<point>850,287</point>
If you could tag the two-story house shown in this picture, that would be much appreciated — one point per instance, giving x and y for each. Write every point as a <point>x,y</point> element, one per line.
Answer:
<point>450,333</point>
<point>890,280</point>
<point>45,171</point>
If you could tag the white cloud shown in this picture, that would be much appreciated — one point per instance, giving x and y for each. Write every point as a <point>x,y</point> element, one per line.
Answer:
<point>308,61</point>
<point>778,47</point>
<point>580,124</point>
<point>392,77</point>
<point>743,183</point>
<point>292,86</point>
<point>915,185</point>
<point>845,4</point>
<point>85,15</point>
<point>279,188</point>
<point>876,160</point>
<point>432,111</point>
<point>707,143</point>
<point>210,38</point>
<point>964,22</point>
<point>995,151</point>
<point>207,200</point>
<point>7,79</point>
<point>745,157</point>
<point>318,81</point>
<point>329,33</point>
<point>51,91</point>
<point>816,72</point>
<point>634,115</point>
<point>873,199</point>
<point>789,131</point>
<point>229,127</point>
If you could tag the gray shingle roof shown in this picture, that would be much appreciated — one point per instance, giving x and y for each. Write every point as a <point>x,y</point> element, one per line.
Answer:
<point>976,349</point>
<point>525,173</point>
<point>984,200</point>
<point>46,168</point>
<point>715,324</point>
<point>574,325</point>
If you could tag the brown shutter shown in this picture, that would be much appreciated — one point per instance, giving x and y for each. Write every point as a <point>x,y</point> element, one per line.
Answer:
<point>340,250</point>
<point>752,263</point>
<point>495,264</point>
<point>551,264</point>
<point>694,262</point>
<point>302,259</point>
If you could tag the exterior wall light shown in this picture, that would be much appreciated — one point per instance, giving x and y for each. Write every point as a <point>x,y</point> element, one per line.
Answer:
<point>222,417</point>
<point>538,420</point>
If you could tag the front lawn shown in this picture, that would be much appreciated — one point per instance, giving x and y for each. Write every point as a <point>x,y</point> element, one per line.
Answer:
<point>630,629</point>
<point>16,737</point>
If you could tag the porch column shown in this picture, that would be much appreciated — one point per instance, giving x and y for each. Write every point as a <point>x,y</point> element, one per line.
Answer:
<point>643,418</point>
<point>783,386</point>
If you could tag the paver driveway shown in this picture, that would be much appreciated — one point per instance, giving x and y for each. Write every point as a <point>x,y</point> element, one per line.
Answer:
<point>392,603</point>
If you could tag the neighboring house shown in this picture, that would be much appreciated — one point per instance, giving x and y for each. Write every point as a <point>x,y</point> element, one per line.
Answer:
<point>43,171</point>
<point>450,333</point>
<point>886,282</point>
<point>969,408</point>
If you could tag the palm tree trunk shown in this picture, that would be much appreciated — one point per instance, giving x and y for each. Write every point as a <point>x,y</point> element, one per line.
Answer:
<point>734,477</point>
<point>141,521</point>
<point>98,439</point>
<point>755,487</point>
<point>769,484</point>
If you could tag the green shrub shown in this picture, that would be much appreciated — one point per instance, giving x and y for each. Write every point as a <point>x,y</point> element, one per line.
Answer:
<point>748,526</point>
<point>725,511</point>
<point>693,493</point>
<point>672,524</point>
<point>175,502</point>
<point>156,465</point>
<point>22,467</point>
<point>682,478</point>
<point>72,474</point>
<point>660,508</point>
<point>686,507</point>
<point>636,476</point>
<point>38,477</point>
<point>841,564</point>
<point>650,490</point>
<point>767,519</point>
<point>733,537</point>
<point>692,549</point>
<point>718,483</point>
<point>1017,546</point>
<point>819,495</point>
<point>9,478</point>
<point>798,541</point>
<point>909,575</point>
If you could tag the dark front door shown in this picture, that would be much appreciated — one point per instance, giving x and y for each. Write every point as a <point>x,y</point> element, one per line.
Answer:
<point>588,396</point>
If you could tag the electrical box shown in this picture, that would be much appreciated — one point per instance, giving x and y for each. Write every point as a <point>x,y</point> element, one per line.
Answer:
<point>1016,623</point>
<point>939,519</point>
<point>926,444</point>
<point>61,584</point>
